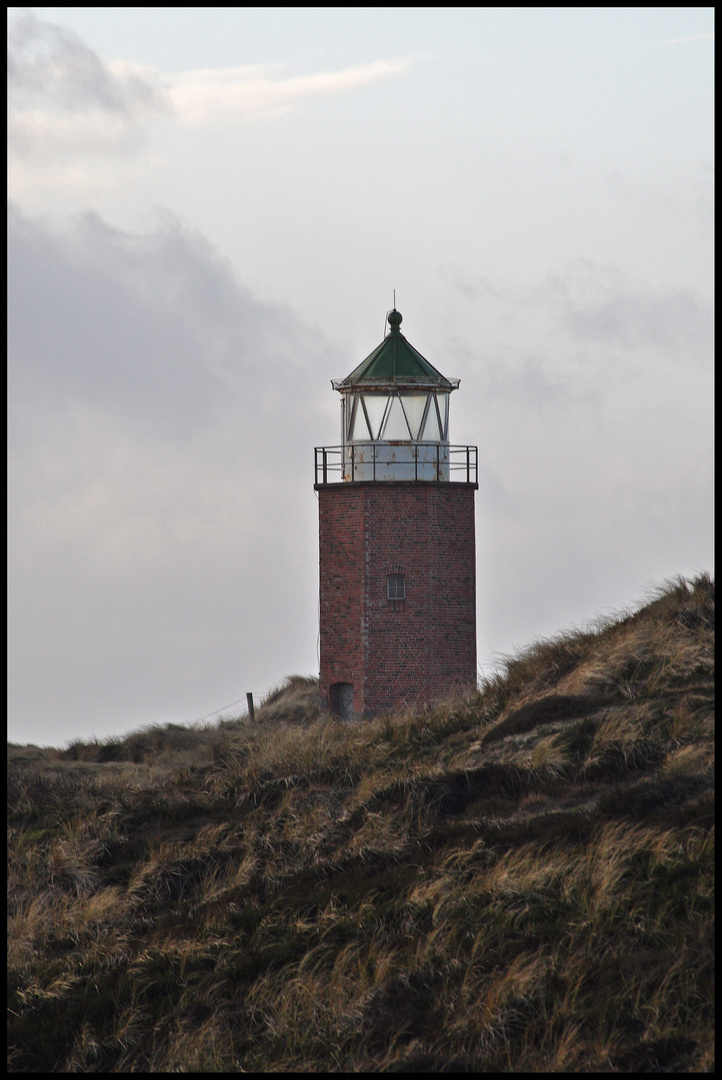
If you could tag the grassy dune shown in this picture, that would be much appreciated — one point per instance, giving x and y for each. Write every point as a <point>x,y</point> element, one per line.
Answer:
<point>517,881</point>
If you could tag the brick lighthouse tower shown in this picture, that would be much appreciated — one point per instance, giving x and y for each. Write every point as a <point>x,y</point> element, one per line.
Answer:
<point>396,535</point>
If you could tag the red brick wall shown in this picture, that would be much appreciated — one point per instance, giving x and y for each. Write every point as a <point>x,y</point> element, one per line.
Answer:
<point>342,572</point>
<point>402,653</point>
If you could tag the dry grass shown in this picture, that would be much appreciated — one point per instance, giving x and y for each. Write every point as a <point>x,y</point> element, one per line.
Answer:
<point>520,881</point>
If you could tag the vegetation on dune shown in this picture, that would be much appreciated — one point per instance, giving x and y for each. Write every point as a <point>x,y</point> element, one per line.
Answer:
<point>517,881</point>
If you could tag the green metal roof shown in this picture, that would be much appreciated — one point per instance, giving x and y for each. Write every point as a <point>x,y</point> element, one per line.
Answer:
<point>395,362</point>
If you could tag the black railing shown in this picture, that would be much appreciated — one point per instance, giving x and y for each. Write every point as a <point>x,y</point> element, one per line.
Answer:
<point>358,462</point>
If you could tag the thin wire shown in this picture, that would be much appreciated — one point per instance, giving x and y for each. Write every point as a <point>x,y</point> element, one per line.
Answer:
<point>388,313</point>
<point>217,711</point>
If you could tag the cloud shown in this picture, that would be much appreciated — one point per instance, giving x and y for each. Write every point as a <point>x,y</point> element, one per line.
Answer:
<point>599,304</point>
<point>691,37</point>
<point>598,381</point>
<point>255,93</point>
<point>62,97</point>
<point>64,100</point>
<point>151,326</point>
<point>596,303</point>
<point>161,427</point>
<point>49,62</point>
<point>689,200</point>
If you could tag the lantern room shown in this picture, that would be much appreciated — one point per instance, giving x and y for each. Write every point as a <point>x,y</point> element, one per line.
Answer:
<point>395,414</point>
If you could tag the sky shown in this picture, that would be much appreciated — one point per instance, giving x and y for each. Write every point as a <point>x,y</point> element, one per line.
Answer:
<point>208,212</point>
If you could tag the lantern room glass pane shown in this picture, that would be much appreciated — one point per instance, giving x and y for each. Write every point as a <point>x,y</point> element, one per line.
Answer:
<point>432,432</point>
<point>414,405</point>
<point>396,426</point>
<point>359,428</point>
<point>443,403</point>
<point>375,407</point>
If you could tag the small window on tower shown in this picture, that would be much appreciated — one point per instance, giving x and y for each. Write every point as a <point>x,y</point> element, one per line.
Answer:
<point>396,587</point>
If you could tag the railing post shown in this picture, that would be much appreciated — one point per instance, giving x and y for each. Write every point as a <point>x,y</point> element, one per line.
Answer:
<point>325,467</point>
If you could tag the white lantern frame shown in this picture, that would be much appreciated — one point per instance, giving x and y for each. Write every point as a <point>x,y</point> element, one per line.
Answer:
<point>395,415</point>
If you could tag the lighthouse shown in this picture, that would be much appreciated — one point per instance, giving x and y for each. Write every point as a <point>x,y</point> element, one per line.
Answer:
<point>397,553</point>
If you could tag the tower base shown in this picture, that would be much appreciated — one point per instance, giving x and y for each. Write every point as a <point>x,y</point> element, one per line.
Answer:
<point>397,594</point>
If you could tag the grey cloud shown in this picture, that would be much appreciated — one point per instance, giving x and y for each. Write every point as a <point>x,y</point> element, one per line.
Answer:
<point>599,304</point>
<point>596,304</point>
<point>152,327</point>
<point>49,63</point>
<point>530,380</point>
<point>691,199</point>
<point>63,100</point>
<point>162,516</point>
<point>516,376</point>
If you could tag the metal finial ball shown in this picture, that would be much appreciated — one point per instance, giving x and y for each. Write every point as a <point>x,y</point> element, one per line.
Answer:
<point>395,317</point>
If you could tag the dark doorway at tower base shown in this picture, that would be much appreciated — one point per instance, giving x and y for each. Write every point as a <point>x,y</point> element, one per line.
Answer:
<point>341,700</point>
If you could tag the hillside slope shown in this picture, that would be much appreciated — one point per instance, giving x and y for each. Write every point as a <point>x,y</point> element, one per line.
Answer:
<point>519,881</point>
